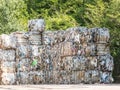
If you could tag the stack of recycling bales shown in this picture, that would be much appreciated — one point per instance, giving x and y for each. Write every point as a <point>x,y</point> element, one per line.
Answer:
<point>7,59</point>
<point>36,75</point>
<point>79,55</point>
<point>23,54</point>
<point>76,55</point>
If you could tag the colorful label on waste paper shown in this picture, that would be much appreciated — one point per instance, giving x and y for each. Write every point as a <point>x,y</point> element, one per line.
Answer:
<point>34,63</point>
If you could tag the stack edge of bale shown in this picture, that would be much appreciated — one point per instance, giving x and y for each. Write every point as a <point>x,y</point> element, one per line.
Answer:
<point>76,55</point>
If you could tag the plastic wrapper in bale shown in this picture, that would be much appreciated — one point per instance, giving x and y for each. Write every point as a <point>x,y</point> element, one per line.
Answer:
<point>8,78</point>
<point>36,25</point>
<point>7,55</point>
<point>23,51</point>
<point>7,41</point>
<point>8,67</point>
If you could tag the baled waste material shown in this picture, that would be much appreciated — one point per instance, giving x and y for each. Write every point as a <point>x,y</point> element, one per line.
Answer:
<point>73,56</point>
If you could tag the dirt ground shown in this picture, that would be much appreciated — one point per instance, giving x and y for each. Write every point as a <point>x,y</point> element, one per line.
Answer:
<point>60,87</point>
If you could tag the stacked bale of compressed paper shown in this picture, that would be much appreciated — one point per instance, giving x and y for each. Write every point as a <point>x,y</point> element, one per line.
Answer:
<point>36,28</point>
<point>105,60</point>
<point>7,59</point>
<point>23,55</point>
<point>76,55</point>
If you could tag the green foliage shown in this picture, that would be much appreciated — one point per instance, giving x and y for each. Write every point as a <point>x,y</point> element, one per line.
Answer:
<point>12,16</point>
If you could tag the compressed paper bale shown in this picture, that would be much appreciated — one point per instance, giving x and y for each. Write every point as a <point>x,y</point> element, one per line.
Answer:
<point>102,35</point>
<point>36,25</point>
<point>35,38</point>
<point>105,62</point>
<point>68,49</point>
<point>79,63</point>
<point>86,49</point>
<point>48,76</point>
<point>92,76</point>
<point>106,77</point>
<point>53,37</point>
<point>60,77</point>
<point>8,78</point>
<point>7,55</point>
<point>49,38</point>
<point>7,41</point>
<point>92,62</point>
<point>67,63</point>
<point>79,76</point>
<point>36,77</point>
<point>22,78</point>
<point>23,51</point>
<point>71,63</point>
<point>68,77</point>
<point>21,38</point>
<point>59,36</point>
<point>72,34</point>
<point>8,67</point>
<point>102,49</point>
<point>90,50</point>
<point>23,65</point>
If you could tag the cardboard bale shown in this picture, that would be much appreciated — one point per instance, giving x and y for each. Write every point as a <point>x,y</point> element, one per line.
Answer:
<point>92,76</point>
<point>36,77</point>
<point>60,77</point>
<point>23,51</point>
<point>102,35</point>
<point>87,49</point>
<point>8,66</point>
<point>35,38</point>
<point>68,49</point>
<point>79,77</point>
<point>79,63</point>
<point>8,79</point>
<point>7,55</point>
<point>102,49</point>
<point>7,41</point>
<point>53,37</point>
<point>105,62</point>
<point>106,77</point>
<point>92,63</point>
<point>36,25</point>
<point>21,38</point>
<point>22,78</point>
<point>23,64</point>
